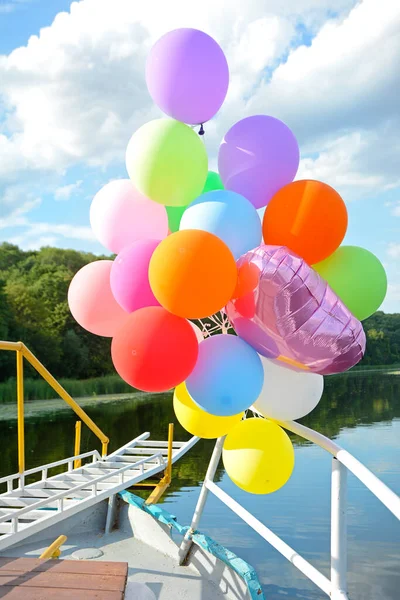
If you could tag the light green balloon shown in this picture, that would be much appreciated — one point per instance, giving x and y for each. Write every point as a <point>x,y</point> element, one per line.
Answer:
<point>357,277</point>
<point>213,182</point>
<point>167,162</point>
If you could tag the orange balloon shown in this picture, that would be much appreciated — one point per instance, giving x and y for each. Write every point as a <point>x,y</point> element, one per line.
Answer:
<point>308,217</point>
<point>192,274</point>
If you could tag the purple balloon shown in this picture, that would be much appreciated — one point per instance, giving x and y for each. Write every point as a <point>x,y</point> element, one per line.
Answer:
<point>289,313</point>
<point>187,75</point>
<point>129,277</point>
<point>257,157</point>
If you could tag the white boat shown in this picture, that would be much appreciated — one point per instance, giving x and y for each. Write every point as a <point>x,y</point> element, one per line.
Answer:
<point>91,512</point>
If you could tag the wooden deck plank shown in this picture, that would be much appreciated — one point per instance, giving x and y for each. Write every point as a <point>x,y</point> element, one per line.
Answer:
<point>50,579</point>
<point>90,567</point>
<point>21,593</point>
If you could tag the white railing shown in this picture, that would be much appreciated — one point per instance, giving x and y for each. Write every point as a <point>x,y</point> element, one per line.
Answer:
<point>71,490</point>
<point>343,461</point>
<point>20,477</point>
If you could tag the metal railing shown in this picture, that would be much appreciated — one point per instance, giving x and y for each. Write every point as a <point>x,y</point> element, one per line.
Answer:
<point>23,352</point>
<point>342,461</point>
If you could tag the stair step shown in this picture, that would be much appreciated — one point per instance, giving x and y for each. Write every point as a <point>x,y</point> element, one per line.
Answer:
<point>145,451</point>
<point>159,444</point>
<point>40,490</point>
<point>23,502</point>
<point>32,515</point>
<point>134,459</point>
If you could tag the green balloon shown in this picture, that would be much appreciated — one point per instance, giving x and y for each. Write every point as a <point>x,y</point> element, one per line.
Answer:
<point>167,162</point>
<point>357,277</point>
<point>174,217</point>
<point>213,182</point>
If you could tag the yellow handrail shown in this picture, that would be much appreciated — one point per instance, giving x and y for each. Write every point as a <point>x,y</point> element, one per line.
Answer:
<point>23,352</point>
<point>78,429</point>
<point>53,551</point>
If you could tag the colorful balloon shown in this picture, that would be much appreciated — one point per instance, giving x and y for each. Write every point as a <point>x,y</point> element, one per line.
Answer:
<point>287,395</point>
<point>258,456</point>
<point>167,161</point>
<point>120,215</point>
<point>289,313</point>
<point>357,277</point>
<point>192,274</point>
<point>213,182</point>
<point>130,276</point>
<point>187,75</point>
<point>154,351</point>
<point>258,156</point>
<point>91,301</point>
<point>308,217</point>
<point>174,217</point>
<point>228,376</point>
<point>229,216</point>
<point>198,422</point>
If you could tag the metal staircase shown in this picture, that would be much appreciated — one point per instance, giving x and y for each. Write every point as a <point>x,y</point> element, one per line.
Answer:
<point>26,509</point>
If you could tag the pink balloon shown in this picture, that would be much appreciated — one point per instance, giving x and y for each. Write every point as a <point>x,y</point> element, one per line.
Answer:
<point>288,313</point>
<point>91,301</point>
<point>120,215</point>
<point>130,276</point>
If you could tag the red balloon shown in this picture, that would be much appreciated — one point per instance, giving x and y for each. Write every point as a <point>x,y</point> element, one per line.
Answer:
<point>155,350</point>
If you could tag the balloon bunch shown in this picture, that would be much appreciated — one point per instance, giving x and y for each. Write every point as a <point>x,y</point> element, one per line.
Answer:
<point>189,245</point>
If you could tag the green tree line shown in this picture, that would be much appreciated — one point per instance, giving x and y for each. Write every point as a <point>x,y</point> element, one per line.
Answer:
<point>34,309</point>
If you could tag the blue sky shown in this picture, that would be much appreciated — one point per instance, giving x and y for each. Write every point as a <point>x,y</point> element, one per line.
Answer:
<point>72,96</point>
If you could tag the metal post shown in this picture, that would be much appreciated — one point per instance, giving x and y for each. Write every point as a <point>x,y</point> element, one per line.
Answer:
<point>339,531</point>
<point>198,511</point>
<point>20,409</point>
<point>169,463</point>
<point>78,429</point>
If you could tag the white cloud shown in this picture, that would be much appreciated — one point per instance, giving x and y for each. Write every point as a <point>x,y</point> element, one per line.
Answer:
<point>17,217</point>
<point>77,92</point>
<point>66,191</point>
<point>394,250</point>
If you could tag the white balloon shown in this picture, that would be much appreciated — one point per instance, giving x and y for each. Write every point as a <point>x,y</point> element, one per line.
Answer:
<point>288,395</point>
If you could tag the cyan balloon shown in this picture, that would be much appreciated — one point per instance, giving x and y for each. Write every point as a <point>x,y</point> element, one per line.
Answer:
<point>228,376</point>
<point>229,216</point>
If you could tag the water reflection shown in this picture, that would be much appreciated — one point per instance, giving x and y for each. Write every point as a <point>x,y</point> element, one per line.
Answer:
<point>361,410</point>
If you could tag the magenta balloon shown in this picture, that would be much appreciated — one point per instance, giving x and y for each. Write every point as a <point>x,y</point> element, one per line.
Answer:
<point>287,312</point>
<point>257,157</point>
<point>130,276</point>
<point>187,75</point>
<point>91,301</point>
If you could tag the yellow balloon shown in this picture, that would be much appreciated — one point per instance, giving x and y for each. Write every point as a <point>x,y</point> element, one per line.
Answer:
<point>258,456</point>
<point>198,422</point>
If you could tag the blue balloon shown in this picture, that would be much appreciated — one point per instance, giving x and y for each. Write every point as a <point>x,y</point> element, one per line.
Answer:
<point>227,215</point>
<point>228,376</point>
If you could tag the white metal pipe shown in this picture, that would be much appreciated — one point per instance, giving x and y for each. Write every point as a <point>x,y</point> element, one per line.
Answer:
<point>198,511</point>
<point>375,485</point>
<point>298,561</point>
<point>339,529</point>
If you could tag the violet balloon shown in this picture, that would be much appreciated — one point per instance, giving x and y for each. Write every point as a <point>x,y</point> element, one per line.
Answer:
<point>257,157</point>
<point>187,75</point>
<point>287,312</point>
<point>129,277</point>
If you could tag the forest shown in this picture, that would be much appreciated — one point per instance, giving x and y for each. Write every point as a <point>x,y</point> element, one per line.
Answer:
<point>34,309</point>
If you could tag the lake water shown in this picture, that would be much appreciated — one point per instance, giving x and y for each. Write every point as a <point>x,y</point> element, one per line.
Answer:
<point>360,411</point>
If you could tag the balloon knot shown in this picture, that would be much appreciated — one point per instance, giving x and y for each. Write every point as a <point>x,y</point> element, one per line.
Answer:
<point>201,130</point>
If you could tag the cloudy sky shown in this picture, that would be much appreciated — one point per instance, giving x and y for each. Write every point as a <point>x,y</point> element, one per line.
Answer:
<point>72,92</point>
